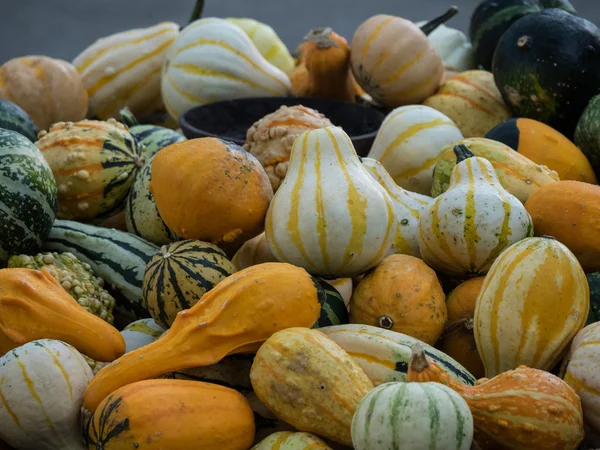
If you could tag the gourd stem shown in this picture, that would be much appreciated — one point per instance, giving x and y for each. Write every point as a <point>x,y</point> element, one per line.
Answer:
<point>433,24</point>
<point>128,118</point>
<point>418,360</point>
<point>545,236</point>
<point>321,37</point>
<point>466,323</point>
<point>197,12</point>
<point>462,152</point>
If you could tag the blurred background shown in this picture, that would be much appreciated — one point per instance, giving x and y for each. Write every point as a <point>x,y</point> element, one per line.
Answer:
<point>63,28</point>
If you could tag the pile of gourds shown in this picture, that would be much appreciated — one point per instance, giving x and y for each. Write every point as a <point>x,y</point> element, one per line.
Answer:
<point>442,292</point>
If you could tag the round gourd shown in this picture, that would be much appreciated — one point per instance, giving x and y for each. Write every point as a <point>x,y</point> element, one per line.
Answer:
<point>587,133</point>
<point>179,275</point>
<point>453,46</point>
<point>333,307</point>
<point>49,90</point>
<point>412,415</point>
<point>344,286</point>
<point>12,117</point>
<point>288,440</point>
<point>404,295</point>
<point>141,332</point>
<point>254,251</point>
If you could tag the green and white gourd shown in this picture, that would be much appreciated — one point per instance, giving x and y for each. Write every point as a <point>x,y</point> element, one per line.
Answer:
<point>13,117</point>
<point>333,307</point>
<point>140,333</point>
<point>453,46</point>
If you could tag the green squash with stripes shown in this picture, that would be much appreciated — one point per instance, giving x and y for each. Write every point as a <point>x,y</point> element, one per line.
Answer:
<point>13,117</point>
<point>179,275</point>
<point>28,196</point>
<point>333,308</point>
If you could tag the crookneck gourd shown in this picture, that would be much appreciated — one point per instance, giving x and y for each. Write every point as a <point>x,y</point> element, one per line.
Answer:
<point>236,316</point>
<point>465,229</point>
<point>329,215</point>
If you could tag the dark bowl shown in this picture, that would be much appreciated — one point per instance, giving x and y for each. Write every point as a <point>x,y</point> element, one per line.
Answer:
<point>230,119</point>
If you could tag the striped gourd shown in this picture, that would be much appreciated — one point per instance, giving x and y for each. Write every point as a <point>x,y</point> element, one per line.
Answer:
<point>179,275</point>
<point>124,69</point>
<point>407,205</point>
<point>94,164</point>
<point>333,308</point>
<point>12,117</point>
<point>28,196</point>
<point>41,392</point>
<point>384,355</point>
<point>536,293</point>
<point>213,59</point>
<point>288,440</point>
<point>409,142</point>
<point>116,256</point>
<point>329,215</point>
<point>412,415</point>
<point>466,228</point>
<point>141,332</point>
<point>344,286</point>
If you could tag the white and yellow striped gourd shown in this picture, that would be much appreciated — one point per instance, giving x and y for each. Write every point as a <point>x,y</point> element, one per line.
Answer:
<point>288,440</point>
<point>466,228</point>
<point>329,215</point>
<point>141,332</point>
<point>408,207</point>
<point>213,59</point>
<point>41,393</point>
<point>124,69</point>
<point>409,142</point>
<point>533,301</point>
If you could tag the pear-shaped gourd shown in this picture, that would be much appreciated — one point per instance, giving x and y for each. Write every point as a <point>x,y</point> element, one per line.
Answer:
<point>329,216</point>
<point>466,228</point>
<point>407,205</point>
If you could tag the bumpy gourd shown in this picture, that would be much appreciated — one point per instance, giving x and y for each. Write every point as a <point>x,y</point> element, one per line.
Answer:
<point>329,215</point>
<point>467,227</point>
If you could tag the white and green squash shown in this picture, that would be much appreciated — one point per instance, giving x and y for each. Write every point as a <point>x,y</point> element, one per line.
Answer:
<point>289,440</point>
<point>13,117</point>
<point>453,46</point>
<point>333,307</point>
<point>141,332</point>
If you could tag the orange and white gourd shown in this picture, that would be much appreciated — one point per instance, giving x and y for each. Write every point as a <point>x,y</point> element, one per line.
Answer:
<point>409,142</point>
<point>466,228</point>
<point>329,215</point>
<point>213,59</point>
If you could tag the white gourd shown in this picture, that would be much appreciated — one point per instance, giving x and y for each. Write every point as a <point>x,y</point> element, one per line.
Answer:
<point>254,251</point>
<point>453,46</point>
<point>141,332</point>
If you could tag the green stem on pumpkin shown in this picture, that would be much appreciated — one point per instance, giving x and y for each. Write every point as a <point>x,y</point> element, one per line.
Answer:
<point>433,24</point>
<point>197,12</point>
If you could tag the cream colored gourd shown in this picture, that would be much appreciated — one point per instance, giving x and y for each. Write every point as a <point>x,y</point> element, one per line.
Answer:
<point>41,393</point>
<point>288,440</point>
<point>407,205</point>
<point>453,46</point>
<point>409,142</point>
<point>124,69</point>
<point>329,216</point>
<point>255,251</point>
<point>141,332</point>
<point>213,59</point>
<point>466,228</point>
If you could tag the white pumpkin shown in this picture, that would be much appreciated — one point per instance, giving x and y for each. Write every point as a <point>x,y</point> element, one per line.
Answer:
<point>254,251</point>
<point>141,332</point>
<point>41,393</point>
<point>213,59</point>
<point>409,143</point>
<point>453,46</point>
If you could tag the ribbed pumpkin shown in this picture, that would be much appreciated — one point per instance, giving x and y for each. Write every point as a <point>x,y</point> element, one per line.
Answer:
<point>172,414</point>
<point>307,380</point>
<point>409,142</point>
<point>14,118</point>
<point>41,392</point>
<point>141,332</point>
<point>329,215</point>
<point>94,164</point>
<point>213,59</point>
<point>333,307</point>
<point>536,293</point>
<point>179,275</point>
<point>254,251</point>
<point>288,440</point>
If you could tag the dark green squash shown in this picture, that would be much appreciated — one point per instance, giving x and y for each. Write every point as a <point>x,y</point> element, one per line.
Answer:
<point>13,117</point>
<point>594,283</point>
<point>587,133</point>
<point>333,308</point>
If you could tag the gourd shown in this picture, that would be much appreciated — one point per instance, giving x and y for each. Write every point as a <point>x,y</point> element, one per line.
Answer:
<point>212,59</point>
<point>408,145</point>
<point>141,332</point>
<point>587,134</point>
<point>192,415</point>
<point>407,207</point>
<point>288,440</point>
<point>35,306</point>
<point>94,164</point>
<point>307,380</point>
<point>467,227</point>
<point>328,191</point>
<point>401,294</point>
<point>333,307</point>
<point>13,117</point>
<point>593,280</point>
<point>236,316</point>
<point>472,100</point>
<point>344,286</point>
<point>536,293</point>
<point>179,275</point>
<point>412,415</point>
<point>41,391</point>
<point>518,410</point>
<point>253,251</point>
<point>266,422</point>
<point>453,46</point>
<point>49,90</point>
<point>124,69</point>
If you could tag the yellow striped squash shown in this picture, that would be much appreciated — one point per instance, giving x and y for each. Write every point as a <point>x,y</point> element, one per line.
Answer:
<point>466,228</point>
<point>409,142</point>
<point>288,440</point>
<point>41,393</point>
<point>407,205</point>
<point>533,301</point>
<point>124,69</point>
<point>329,215</point>
<point>213,59</point>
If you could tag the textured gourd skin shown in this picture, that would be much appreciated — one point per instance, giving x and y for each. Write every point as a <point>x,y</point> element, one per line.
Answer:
<point>172,414</point>
<point>236,316</point>
<point>307,380</point>
<point>537,293</point>
<point>288,440</point>
<point>34,306</point>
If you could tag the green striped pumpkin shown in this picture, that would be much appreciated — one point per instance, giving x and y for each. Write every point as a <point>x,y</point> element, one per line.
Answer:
<point>397,416</point>
<point>28,197</point>
<point>333,308</point>
<point>13,117</point>
<point>179,275</point>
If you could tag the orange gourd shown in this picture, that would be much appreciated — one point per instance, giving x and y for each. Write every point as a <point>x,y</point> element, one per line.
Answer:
<point>236,316</point>
<point>33,305</point>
